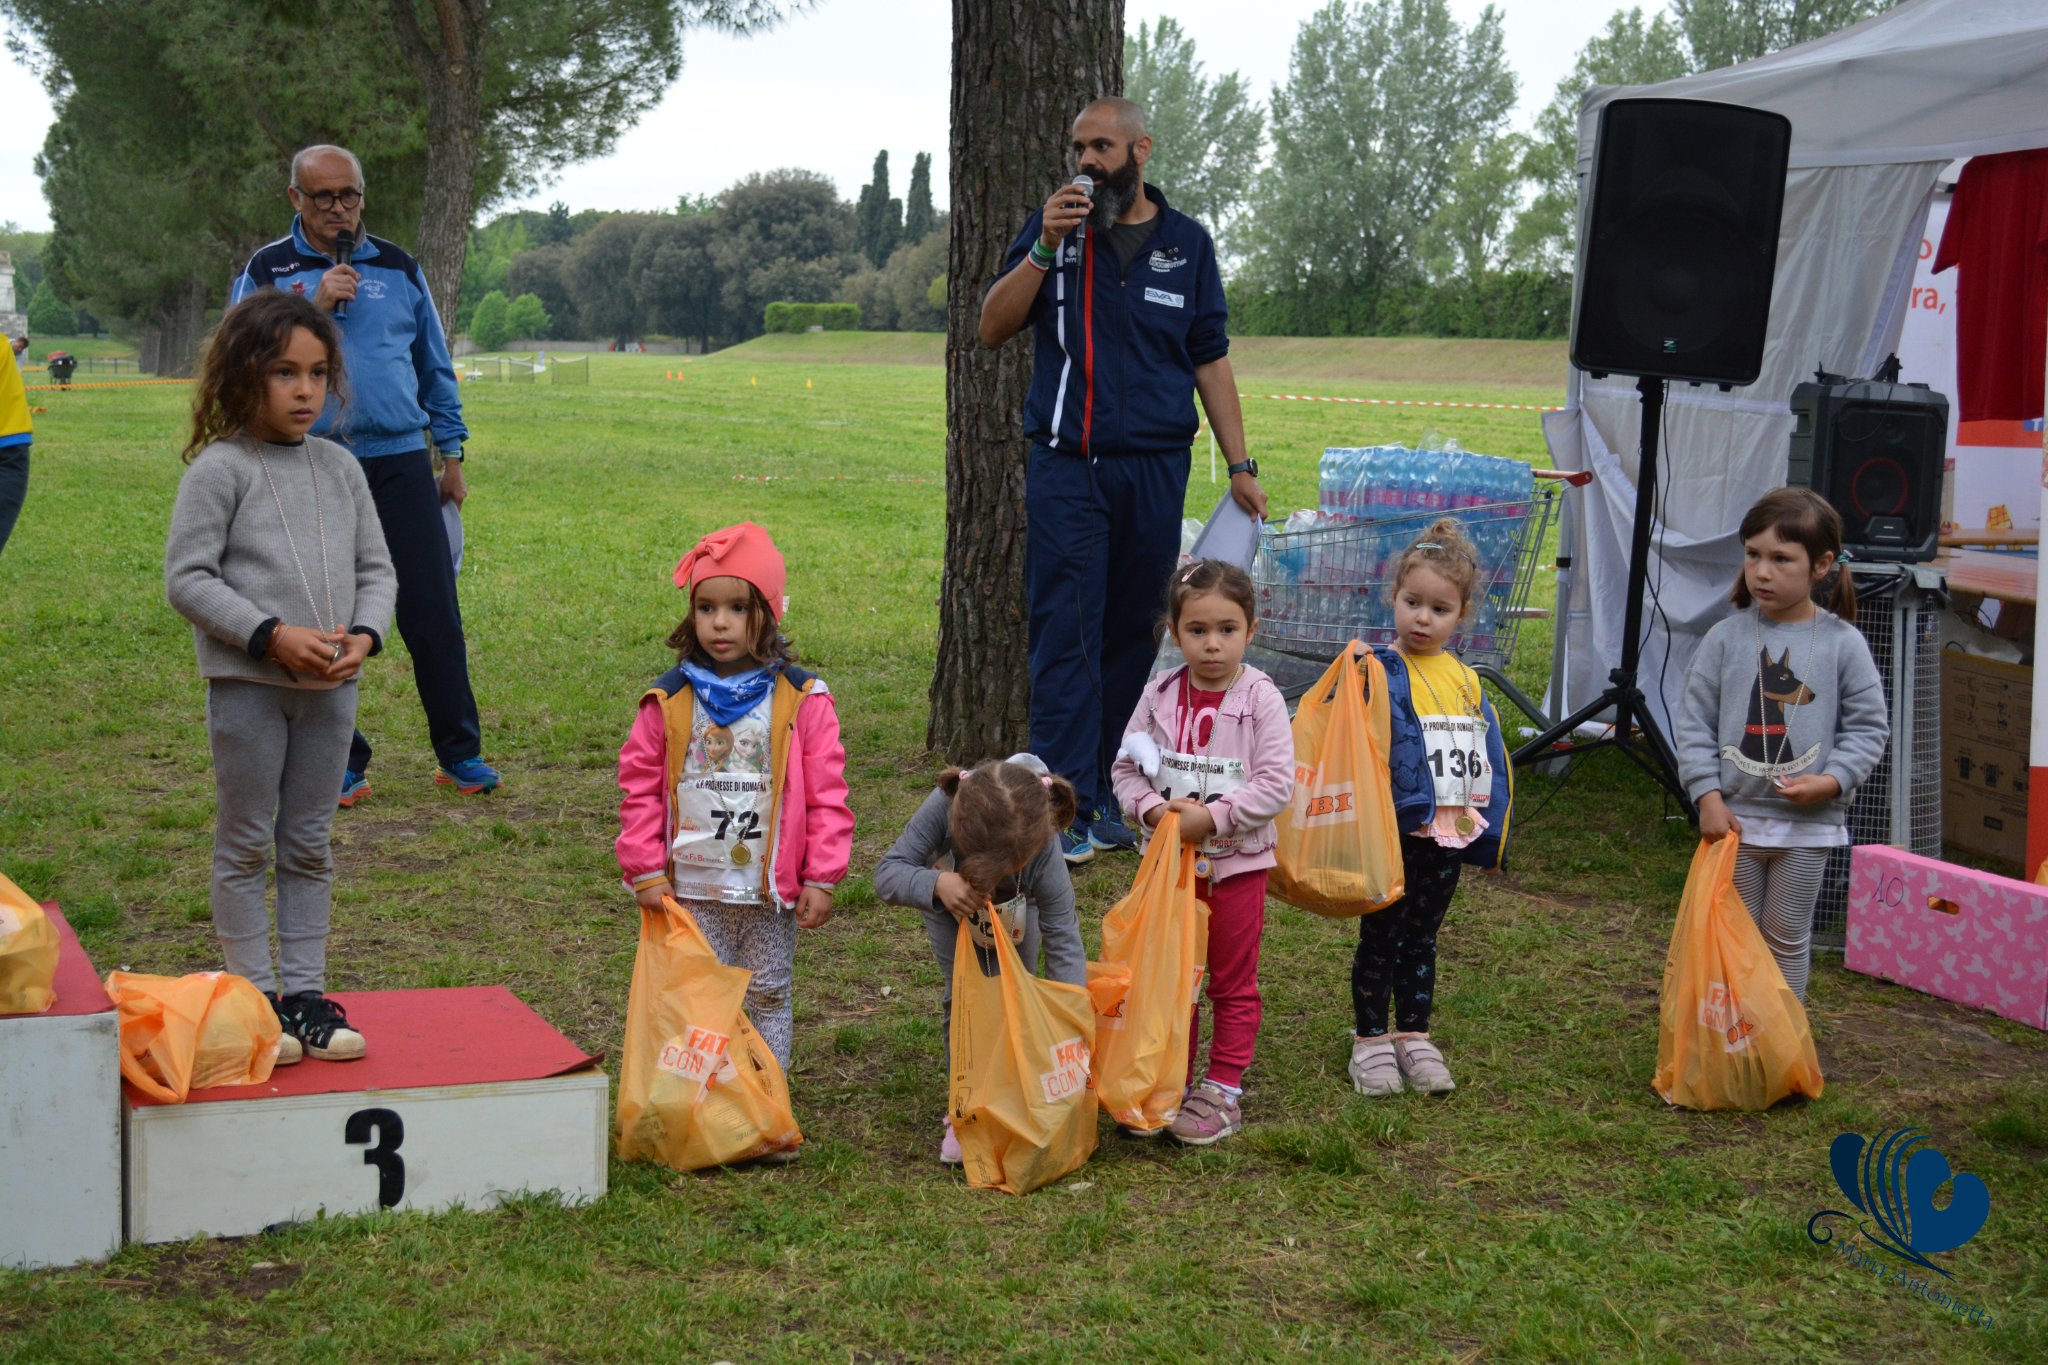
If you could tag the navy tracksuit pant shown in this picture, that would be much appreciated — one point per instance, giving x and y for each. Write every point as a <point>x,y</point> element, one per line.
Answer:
<point>408,499</point>
<point>1102,537</point>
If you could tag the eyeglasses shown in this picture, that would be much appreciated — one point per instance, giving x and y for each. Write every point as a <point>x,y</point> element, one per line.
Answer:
<point>327,199</point>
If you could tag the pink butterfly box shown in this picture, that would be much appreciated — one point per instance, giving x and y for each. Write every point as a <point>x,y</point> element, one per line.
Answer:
<point>1955,932</point>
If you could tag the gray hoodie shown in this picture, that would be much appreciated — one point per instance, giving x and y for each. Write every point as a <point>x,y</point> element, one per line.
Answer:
<point>1818,707</point>
<point>228,566</point>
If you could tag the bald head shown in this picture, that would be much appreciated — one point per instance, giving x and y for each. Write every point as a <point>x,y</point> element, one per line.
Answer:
<point>325,155</point>
<point>1128,116</point>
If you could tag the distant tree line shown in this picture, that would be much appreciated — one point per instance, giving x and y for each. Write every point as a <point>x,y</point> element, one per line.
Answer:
<point>709,269</point>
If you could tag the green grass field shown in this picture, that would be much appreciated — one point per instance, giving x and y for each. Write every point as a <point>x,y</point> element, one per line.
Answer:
<point>1552,1209</point>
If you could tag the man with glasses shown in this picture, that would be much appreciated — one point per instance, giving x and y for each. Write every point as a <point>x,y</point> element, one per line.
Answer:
<point>1130,325</point>
<point>401,390</point>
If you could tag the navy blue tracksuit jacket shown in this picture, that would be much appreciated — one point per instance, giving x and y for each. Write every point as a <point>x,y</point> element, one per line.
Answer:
<point>1110,415</point>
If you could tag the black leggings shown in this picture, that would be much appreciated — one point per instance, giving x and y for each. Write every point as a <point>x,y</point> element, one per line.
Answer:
<point>1397,946</point>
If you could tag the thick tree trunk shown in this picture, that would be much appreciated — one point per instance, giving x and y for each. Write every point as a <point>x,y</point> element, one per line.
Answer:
<point>446,53</point>
<point>1022,69</point>
<point>170,341</point>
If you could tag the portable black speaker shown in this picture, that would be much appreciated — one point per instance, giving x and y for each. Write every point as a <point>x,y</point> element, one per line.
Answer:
<point>1681,241</point>
<point>1876,452</point>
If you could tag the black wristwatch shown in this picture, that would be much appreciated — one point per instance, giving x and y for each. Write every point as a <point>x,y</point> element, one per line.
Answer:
<point>1250,467</point>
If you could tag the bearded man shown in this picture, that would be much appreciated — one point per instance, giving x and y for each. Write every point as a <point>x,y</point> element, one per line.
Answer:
<point>1126,304</point>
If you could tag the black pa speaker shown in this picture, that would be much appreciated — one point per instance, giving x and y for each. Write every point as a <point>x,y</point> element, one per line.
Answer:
<point>1681,241</point>
<point>1875,451</point>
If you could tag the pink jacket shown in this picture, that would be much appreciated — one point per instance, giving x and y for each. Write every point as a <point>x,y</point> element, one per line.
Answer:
<point>1251,726</point>
<point>813,825</point>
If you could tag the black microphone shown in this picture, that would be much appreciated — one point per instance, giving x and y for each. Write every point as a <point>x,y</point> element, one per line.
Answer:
<point>1085,184</point>
<point>344,254</point>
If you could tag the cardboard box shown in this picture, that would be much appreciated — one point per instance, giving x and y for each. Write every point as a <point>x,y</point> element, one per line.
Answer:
<point>1964,935</point>
<point>1987,711</point>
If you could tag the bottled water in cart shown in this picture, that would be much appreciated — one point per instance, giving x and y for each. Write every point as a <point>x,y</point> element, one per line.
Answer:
<point>1326,576</point>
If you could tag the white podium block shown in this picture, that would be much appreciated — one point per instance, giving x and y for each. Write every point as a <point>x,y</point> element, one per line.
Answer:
<point>467,1097</point>
<point>60,1121</point>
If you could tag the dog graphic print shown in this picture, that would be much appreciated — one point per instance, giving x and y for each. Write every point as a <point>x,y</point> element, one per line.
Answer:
<point>1766,748</point>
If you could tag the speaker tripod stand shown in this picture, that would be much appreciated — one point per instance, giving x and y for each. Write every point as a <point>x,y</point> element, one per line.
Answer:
<point>1635,734</point>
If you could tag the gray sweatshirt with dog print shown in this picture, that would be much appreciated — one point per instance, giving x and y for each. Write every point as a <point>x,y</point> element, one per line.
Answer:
<point>1765,701</point>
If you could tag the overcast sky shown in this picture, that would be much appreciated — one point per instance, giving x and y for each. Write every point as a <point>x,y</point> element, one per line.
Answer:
<point>831,88</point>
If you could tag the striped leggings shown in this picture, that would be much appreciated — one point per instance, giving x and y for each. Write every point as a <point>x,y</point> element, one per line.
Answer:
<point>1781,886</point>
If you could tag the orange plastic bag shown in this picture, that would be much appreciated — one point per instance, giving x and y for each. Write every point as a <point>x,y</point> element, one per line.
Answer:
<point>1339,849</point>
<point>28,953</point>
<point>1731,1034</point>
<point>186,1033</point>
<point>1160,932</point>
<point>1022,1107</point>
<point>697,1085</point>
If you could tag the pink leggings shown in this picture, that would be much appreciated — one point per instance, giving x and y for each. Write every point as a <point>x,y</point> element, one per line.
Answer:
<point>1237,916</point>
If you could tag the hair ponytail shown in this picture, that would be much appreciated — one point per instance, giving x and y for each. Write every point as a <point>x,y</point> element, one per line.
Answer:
<point>1811,522</point>
<point>1841,599</point>
<point>1003,814</point>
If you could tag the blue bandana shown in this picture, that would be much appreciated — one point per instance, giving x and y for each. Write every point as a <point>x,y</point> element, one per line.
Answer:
<point>725,700</point>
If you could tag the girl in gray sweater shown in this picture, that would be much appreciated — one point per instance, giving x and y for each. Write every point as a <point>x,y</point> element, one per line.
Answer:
<point>984,848</point>
<point>1784,715</point>
<point>277,558</point>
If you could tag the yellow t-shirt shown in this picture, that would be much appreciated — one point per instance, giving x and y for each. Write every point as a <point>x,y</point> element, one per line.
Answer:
<point>1441,685</point>
<point>14,423</point>
<point>1447,700</point>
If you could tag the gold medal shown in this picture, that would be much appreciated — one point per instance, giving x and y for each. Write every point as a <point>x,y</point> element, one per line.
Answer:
<point>1464,824</point>
<point>1202,867</point>
<point>741,855</point>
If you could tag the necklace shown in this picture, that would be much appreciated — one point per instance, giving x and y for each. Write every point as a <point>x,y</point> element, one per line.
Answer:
<point>1756,624</point>
<point>1462,821</point>
<point>291,542</point>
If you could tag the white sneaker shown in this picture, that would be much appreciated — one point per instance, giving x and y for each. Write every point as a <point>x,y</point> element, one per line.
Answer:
<point>290,1050</point>
<point>1375,1070</point>
<point>1422,1066</point>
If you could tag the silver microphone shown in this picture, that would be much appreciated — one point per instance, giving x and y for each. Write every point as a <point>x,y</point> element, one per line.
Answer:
<point>1085,184</point>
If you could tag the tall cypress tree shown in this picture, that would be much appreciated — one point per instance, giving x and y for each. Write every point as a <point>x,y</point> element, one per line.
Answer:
<point>919,217</point>
<point>879,218</point>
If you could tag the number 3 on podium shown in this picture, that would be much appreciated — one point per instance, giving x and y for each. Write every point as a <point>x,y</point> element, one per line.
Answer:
<point>390,1130</point>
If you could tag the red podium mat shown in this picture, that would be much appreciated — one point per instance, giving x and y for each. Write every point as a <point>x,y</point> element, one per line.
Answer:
<point>77,985</point>
<point>465,1035</point>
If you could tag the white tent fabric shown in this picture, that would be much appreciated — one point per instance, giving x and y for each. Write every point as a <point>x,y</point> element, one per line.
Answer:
<point>1877,111</point>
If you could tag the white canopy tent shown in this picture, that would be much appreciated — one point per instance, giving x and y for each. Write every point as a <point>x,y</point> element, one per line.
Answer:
<point>1877,111</point>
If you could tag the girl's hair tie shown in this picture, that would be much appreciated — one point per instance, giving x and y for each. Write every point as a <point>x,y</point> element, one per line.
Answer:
<point>1045,781</point>
<point>1426,545</point>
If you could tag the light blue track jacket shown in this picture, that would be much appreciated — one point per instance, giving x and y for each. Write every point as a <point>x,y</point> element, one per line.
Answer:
<point>400,379</point>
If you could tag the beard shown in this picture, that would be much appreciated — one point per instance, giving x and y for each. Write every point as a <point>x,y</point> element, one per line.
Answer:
<point>1115,194</point>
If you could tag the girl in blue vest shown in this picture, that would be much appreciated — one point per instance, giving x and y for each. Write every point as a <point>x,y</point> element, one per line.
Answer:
<point>735,779</point>
<point>1452,791</point>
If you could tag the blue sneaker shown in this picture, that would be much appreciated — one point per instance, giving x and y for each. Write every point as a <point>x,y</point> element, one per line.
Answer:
<point>470,776</point>
<point>354,787</point>
<point>1075,845</point>
<point>1108,832</point>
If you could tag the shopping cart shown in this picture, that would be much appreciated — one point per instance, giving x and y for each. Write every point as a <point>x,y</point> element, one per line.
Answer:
<point>1324,586</point>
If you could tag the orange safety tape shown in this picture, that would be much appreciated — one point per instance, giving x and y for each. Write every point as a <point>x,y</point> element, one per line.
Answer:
<point>104,384</point>
<point>1405,402</point>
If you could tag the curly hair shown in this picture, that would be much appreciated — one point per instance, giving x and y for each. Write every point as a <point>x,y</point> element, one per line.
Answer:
<point>229,394</point>
<point>1445,548</point>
